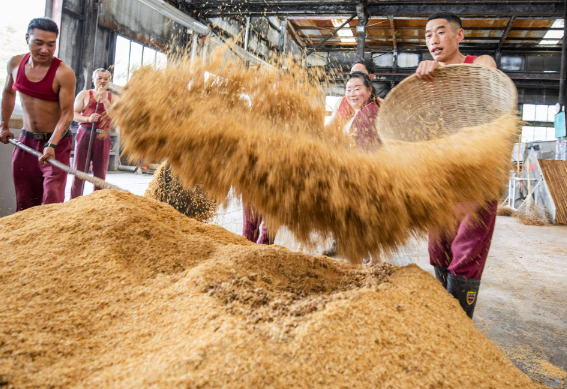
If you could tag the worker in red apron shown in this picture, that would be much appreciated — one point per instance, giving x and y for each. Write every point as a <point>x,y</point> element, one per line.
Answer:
<point>343,114</point>
<point>86,113</point>
<point>342,110</point>
<point>459,253</point>
<point>47,87</point>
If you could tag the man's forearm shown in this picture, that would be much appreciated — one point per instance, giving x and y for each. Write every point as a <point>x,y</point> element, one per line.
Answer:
<point>80,118</point>
<point>62,126</point>
<point>8,103</point>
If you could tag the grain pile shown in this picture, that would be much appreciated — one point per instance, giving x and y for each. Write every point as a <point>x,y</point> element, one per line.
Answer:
<point>116,290</point>
<point>193,202</point>
<point>274,151</point>
<point>505,210</point>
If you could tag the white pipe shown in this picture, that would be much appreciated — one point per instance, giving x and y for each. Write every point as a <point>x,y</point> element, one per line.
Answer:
<point>176,15</point>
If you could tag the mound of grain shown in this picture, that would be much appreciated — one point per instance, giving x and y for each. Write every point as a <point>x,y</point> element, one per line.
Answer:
<point>116,290</point>
<point>275,152</point>
<point>504,210</point>
<point>193,202</point>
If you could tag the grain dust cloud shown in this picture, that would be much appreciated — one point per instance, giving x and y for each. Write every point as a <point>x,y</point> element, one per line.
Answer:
<point>261,131</point>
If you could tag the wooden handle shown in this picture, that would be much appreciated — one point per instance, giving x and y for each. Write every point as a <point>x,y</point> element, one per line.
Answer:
<point>83,176</point>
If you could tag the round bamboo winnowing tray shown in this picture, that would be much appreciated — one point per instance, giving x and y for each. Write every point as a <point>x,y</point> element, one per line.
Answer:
<point>461,96</point>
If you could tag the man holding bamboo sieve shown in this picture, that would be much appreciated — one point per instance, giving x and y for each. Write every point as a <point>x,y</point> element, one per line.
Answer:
<point>458,254</point>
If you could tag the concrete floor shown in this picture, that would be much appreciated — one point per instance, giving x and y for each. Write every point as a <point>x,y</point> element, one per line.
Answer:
<point>522,305</point>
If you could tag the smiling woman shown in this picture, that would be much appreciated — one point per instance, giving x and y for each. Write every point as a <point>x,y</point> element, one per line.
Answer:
<point>362,127</point>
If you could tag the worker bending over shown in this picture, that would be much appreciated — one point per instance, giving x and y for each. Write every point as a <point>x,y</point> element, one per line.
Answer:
<point>458,253</point>
<point>85,107</point>
<point>47,87</point>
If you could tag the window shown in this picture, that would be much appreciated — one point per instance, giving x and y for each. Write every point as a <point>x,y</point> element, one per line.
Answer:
<point>535,134</point>
<point>538,113</point>
<point>512,63</point>
<point>130,55</point>
<point>384,60</point>
<point>408,60</point>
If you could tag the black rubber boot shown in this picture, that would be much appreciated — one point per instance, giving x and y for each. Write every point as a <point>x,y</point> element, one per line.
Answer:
<point>465,290</point>
<point>441,274</point>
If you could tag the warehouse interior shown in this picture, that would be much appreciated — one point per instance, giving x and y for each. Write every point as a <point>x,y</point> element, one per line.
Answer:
<point>522,308</point>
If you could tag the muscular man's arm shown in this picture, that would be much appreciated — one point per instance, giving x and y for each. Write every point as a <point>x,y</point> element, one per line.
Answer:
<point>79,106</point>
<point>66,78</point>
<point>485,60</point>
<point>8,103</point>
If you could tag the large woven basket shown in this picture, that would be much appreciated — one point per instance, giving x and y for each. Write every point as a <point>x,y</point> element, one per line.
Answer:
<point>461,96</point>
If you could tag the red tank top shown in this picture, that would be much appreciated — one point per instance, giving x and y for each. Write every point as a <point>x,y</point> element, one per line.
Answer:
<point>104,121</point>
<point>42,89</point>
<point>345,111</point>
<point>470,58</point>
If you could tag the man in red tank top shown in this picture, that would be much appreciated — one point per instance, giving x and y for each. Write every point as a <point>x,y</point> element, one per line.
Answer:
<point>47,88</point>
<point>85,106</point>
<point>458,255</point>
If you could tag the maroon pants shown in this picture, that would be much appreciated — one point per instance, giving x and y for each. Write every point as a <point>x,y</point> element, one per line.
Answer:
<point>99,158</point>
<point>36,183</point>
<point>464,248</point>
<point>252,221</point>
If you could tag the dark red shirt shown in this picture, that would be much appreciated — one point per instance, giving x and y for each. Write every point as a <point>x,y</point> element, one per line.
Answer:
<point>42,89</point>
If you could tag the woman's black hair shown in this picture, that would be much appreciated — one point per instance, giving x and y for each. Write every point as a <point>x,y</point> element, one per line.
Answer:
<point>367,83</point>
<point>368,64</point>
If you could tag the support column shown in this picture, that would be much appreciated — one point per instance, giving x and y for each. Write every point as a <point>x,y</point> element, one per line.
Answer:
<point>562,83</point>
<point>283,35</point>
<point>247,34</point>
<point>194,45</point>
<point>362,13</point>
<point>54,10</point>
<point>89,30</point>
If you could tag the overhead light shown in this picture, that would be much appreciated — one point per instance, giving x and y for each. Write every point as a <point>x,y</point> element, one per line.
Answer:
<point>552,37</point>
<point>345,34</point>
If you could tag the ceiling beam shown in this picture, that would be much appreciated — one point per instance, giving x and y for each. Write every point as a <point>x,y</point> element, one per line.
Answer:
<point>320,44</point>
<point>489,48</point>
<point>393,31</point>
<point>506,32</point>
<point>471,38</point>
<point>295,35</point>
<point>423,28</point>
<point>531,9</point>
<point>498,53</point>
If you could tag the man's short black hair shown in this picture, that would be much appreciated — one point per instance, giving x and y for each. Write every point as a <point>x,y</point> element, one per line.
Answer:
<point>367,63</point>
<point>448,16</point>
<point>44,24</point>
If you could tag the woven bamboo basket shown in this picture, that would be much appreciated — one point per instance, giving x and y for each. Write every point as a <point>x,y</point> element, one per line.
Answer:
<point>461,96</point>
